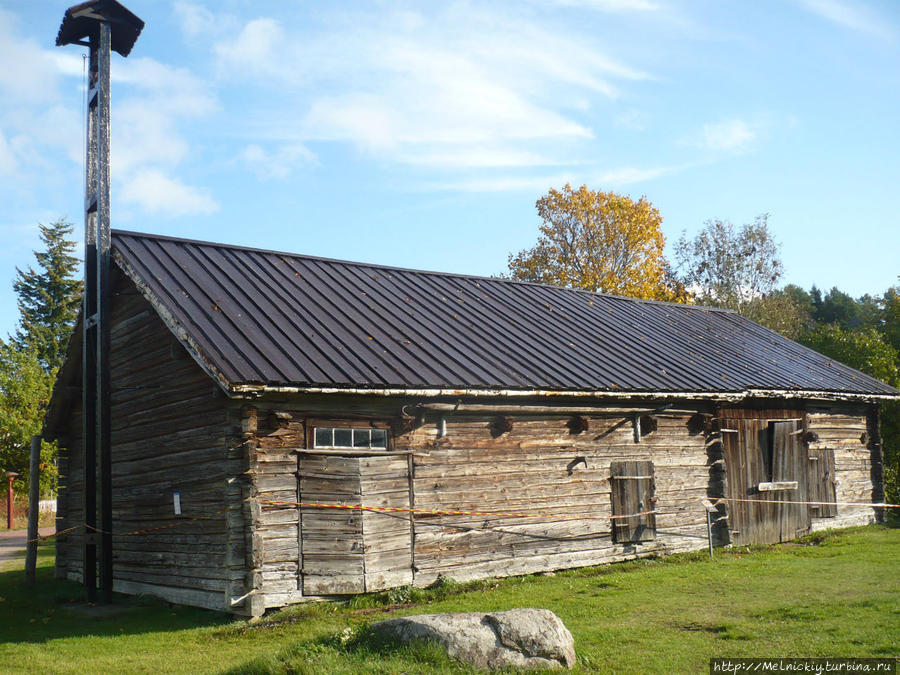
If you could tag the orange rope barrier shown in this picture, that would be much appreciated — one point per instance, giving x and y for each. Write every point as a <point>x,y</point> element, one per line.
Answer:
<point>55,534</point>
<point>785,501</point>
<point>128,534</point>
<point>437,512</point>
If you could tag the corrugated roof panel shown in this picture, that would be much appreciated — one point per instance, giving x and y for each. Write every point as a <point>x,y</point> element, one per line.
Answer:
<point>263,317</point>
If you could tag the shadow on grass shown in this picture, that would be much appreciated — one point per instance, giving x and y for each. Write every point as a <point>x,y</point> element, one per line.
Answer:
<point>56,608</point>
<point>353,650</point>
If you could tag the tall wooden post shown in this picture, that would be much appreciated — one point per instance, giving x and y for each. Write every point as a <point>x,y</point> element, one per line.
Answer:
<point>34,494</point>
<point>10,499</point>
<point>106,26</point>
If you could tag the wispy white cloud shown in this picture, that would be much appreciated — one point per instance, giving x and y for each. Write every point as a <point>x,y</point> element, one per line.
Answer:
<point>853,15</point>
<point>7,158</point>
<point>278,163</point>
<point>611,5</point>
<point>374,123</point>
<point>530,183</point>
<point>460,87</point>
<point>29,73</point>
<point>258,49</point>
<point>193,19</point>
<point>635,120</point>
<point>41,120</point>
<point>35,124</point>
<point>630,175</point>
<point>68,63</point>
<point>155,192</point>
<point>480,157</point>
<point>735,135</point>
<point>44,131</point>
<point>144,137</point>
<point>173,90</point>
<point>147,119</point>
<point>149,144</point>
<point>604,179</point>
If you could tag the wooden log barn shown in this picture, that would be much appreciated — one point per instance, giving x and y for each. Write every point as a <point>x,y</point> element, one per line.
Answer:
<point>245,383</point>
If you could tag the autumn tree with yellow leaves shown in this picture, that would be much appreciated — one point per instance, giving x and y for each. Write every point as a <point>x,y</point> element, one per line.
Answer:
<point>599,241</point>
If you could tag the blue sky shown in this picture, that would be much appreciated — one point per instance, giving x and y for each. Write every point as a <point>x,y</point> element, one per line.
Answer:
<point>420,134</point>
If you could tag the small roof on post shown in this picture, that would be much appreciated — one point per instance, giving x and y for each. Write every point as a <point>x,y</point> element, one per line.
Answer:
<point>81,21</point>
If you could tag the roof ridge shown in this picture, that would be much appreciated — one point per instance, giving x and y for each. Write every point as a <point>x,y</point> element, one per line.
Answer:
<point>475,277</point>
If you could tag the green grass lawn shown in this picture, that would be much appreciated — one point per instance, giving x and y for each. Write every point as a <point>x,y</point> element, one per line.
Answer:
<point>831,595</point>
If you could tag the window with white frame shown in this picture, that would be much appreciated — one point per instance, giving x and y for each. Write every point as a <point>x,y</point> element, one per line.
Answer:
<point>350,438</point>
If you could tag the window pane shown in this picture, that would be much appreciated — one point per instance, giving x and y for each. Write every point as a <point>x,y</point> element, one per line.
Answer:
<point>343,438</point>
<point>361,438</point>
<point>323,437</point>
<point>379,438</point>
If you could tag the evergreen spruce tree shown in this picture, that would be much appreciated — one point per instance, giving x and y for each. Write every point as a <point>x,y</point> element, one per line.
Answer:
<point>48,298</point>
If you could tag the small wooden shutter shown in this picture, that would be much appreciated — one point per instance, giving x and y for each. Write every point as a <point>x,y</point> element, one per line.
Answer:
<point>821,483</point>
<point>633,492</point>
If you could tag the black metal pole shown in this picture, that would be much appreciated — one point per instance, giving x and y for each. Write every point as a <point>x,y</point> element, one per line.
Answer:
<point>89,351</point>
<point>103,318</point>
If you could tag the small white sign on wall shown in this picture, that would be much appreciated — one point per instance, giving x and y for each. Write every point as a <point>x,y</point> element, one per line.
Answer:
<point>176,497</point>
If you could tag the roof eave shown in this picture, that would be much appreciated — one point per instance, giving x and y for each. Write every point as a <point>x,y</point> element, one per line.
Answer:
<point>258,390</point>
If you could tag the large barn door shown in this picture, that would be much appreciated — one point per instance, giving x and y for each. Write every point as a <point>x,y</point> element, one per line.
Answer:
<point>789,479</point>
<point>765,461</point>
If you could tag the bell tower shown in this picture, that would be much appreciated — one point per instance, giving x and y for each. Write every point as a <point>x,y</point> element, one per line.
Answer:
<point>103,26</point>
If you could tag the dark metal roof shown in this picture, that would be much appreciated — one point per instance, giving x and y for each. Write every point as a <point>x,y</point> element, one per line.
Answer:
<point>82,21</point>
<point>263,317</point>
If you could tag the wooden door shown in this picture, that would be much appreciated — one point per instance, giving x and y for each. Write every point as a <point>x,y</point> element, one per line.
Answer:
<point>347,550</point>
<point>821,483</point>
<point>765,462</point>
<point>387,535</point>
<point>789,465</point>
<point>633,495</point>
<point>332,560</point>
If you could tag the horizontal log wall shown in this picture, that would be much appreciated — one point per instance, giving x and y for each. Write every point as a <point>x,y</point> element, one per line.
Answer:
<point>538,467</point>
<point>848,436</point>
<point>168,435</point>
<point>69,501</point>
<point>541,468</point>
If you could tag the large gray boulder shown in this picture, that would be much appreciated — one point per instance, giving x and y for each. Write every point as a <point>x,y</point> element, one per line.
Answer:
<point>524,638</point>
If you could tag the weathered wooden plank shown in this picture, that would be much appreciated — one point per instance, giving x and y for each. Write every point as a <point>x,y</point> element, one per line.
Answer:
<point>334,585</point>
<point>185,596</point>
<point>527,565</point>
<point>381,580</point>
<point>331,565</point>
